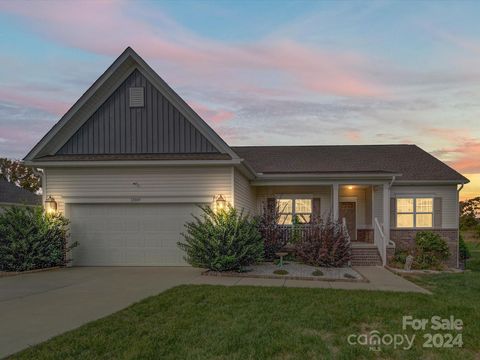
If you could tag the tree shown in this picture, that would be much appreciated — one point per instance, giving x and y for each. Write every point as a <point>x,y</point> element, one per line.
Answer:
<point>15,172</point>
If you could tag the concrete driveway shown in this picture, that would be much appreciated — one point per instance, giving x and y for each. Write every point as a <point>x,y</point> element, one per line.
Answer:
<point>35,307</point>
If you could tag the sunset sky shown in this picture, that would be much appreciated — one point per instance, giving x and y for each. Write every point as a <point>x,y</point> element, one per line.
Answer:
<point>261,73</point>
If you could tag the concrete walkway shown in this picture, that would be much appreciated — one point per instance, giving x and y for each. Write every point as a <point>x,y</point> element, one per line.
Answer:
<point>35,307</point>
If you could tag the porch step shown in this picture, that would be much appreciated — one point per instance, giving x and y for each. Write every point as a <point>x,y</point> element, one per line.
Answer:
<point>365,255</point>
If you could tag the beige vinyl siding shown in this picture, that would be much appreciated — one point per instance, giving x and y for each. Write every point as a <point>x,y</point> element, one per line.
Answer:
<point>179,184</point>
<point>322,192</point>
<point>449,196</point>
<point>377,204</point>
<point>244,193</point>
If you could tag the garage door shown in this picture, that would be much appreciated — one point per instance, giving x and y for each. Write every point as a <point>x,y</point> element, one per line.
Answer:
<point>129,234</point>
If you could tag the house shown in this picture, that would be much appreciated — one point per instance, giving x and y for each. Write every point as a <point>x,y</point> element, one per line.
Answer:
<point>129,162</point>
<point>12,195</point>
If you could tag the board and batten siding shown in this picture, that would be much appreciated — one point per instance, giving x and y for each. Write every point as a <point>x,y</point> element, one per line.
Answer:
<point>244,194</point>
<point>160,184</point>
<point>155,128</point>
<point>448,194</point>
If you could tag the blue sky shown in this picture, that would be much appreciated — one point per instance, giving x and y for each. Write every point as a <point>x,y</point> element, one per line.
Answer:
<point>261,72</point>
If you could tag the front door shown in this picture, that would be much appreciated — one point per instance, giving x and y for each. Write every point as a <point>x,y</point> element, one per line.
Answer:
<point>348,211</point>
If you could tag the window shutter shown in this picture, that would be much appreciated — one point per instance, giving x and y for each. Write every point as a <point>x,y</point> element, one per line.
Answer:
<point>271,204</point>
<point>437,212</point>
<point>316,208</point>
<point>393,213</point>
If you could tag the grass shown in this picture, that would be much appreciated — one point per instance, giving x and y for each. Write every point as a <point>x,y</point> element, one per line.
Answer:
<point>215,322</point>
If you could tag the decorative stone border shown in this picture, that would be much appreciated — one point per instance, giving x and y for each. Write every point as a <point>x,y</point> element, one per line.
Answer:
<point>285,277</point>
<point>15,273</point>
<point>423,272</point>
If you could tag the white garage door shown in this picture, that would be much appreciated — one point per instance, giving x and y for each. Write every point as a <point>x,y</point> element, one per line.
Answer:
<point>129,234</point>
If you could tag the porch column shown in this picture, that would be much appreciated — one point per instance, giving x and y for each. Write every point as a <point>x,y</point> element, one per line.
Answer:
<point>335,201</point>
<point>386,211</point>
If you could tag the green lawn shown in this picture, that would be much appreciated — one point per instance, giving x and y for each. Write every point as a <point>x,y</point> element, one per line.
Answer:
<point>214,322</point>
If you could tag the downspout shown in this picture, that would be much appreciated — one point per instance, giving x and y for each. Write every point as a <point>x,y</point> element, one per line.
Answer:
<point>391,182</point>
<point>458,219</point>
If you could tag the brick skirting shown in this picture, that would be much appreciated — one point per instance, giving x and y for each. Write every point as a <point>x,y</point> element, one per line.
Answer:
<point>365,235</point>
<point>405,238</point>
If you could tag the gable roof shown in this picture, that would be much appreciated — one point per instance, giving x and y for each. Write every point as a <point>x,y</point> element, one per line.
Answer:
<point>12,194</point>
<point>413,163</point>
<point>121,69</point>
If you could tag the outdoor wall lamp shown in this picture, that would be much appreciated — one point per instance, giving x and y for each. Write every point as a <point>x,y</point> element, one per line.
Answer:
<point>50,205</point>
<point>220,203</point>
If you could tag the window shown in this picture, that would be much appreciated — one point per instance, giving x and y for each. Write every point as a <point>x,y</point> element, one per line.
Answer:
<point>289,208</point>
<point>415,212</point>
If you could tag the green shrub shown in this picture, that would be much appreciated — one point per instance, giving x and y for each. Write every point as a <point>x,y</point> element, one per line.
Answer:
<point>280,272</point>
<point>222,241</point>
<point>317,273</point>
<point>430,250</point>
<point>31,239</point>
<point>464,252</point>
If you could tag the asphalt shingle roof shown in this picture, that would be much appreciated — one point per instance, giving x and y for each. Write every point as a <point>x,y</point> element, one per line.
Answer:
<point>12,194</point>
<point>409,160</point>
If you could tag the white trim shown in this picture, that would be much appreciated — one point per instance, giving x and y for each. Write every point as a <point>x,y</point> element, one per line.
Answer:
<point>327,176</point>
<point>147,199</point>
<point>300,182</point>
<point>232,186</point>
<point>113,163</point>
<point>414,213</point>
<point>334,199</point>
<point>430,182</point>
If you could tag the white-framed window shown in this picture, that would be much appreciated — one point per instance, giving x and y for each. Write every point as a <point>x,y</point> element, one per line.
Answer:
<point>293,206</point>
<point>414,212</point>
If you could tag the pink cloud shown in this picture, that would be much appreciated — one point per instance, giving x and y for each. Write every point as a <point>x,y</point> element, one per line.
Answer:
<point>353,135</point>
<point>211,115</point>
<point>107,27</point>
<point>52,106</point>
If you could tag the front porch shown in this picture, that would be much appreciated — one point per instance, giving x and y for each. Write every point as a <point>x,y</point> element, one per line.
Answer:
<point>364,209</point>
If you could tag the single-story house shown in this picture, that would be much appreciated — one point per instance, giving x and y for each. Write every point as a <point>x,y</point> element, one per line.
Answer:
<point>12,195</point>
<point>129,162</point>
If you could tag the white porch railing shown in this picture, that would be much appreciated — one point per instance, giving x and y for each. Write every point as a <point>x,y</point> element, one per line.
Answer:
<point>380,241</point>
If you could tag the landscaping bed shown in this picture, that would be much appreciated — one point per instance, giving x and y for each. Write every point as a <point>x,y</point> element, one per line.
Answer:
<point>294,271</point>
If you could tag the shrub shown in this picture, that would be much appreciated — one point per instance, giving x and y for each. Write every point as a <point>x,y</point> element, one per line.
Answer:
<point>271,231</point>
<point>222,241</point>
<point>325,244</point>
<point>280,272</point>
<point>464,252</point>
<point>31,239</point>
<point>317,273</point>
<point>430,250</point>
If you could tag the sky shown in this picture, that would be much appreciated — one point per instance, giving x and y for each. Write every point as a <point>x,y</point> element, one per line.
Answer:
<point>261,72</point>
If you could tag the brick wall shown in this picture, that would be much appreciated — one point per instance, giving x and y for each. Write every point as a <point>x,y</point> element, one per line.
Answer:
<point>405,238</point>
<point>365,235</point>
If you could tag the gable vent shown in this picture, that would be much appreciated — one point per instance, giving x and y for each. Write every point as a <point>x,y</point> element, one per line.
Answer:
<point>137,97</point>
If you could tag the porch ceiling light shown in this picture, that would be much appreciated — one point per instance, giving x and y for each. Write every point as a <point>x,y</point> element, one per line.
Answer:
<point>220,203</point>
<point>50,205</point>
<point>350,187</point>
